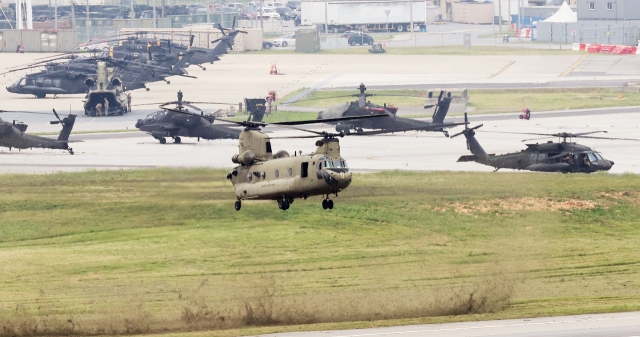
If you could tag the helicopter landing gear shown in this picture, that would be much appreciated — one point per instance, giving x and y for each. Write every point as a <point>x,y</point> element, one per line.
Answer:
<point>162,140</point>
<point>70,151</point>
<point>238,205</point>
<point>177,140</point>
<point>284,204</point>
<point>327,204</point>
<point>446,134</point>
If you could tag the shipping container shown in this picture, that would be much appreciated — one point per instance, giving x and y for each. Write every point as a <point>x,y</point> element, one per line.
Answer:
<point>472,13</point>
<point>39,40</point>
<point>365,15</point>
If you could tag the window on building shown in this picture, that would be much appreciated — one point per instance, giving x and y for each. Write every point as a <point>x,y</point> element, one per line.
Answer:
<point>609,6</point>
<point>592,5</point>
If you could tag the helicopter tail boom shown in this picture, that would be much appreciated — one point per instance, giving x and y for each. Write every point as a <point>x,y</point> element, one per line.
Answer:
<point>67,126</point>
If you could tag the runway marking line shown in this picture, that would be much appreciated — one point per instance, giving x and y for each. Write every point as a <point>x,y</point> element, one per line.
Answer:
<point>303,76</point>
<point>503,69</point>
<point>573,66</point>
<point>486,326</point>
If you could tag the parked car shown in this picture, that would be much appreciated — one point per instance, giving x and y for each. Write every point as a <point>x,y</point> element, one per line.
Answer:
<point>286,13</point>
<point>248,13</point>
<point>275,4</point>
<point>294,4</point>
<point>236,5</point>
<point>94,44</point>
<point>286,41</point>
<point>269,13</point>
<point>356,37</point>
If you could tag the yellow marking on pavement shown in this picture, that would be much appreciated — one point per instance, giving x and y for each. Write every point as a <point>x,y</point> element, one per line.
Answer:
<point>573,66</point>
<point>503,69</point>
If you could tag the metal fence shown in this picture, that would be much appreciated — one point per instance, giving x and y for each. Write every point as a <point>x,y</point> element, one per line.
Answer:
<point>590,31</point>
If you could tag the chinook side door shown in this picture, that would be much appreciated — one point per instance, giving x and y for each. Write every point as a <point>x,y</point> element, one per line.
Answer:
<point>304,174</point>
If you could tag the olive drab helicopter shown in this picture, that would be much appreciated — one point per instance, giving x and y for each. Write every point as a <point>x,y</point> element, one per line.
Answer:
<point>263,175</point>
<point>563,156</point>
<point>180,122</point>
<point>106,96</point>
<point>362,107</point>
<point>12,135</point>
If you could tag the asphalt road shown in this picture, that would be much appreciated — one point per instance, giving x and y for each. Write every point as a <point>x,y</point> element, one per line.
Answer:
<point>602,325</point>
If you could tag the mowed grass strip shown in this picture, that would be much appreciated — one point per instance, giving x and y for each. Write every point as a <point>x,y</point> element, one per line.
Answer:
<point>490,100</point>
<point>156,251</point>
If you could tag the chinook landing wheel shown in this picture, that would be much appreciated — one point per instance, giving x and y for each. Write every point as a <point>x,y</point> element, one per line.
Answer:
<point>330,204</point>
<point>162,140</point>
<point>325,204</point>
<point>238,205</point>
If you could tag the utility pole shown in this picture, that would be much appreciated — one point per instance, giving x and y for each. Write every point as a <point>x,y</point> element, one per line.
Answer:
<point>493,22</point>
<point>326,18</point>
<point>73,14</point>
<point>87,24</point>
<point>221,16</point>
<point>132,14</point>
<point>411,14</point>
<point>154,14</point>
<point>261,14</point>
<point>500,15</point>
<point>55,14</point>
<point>509,10</point>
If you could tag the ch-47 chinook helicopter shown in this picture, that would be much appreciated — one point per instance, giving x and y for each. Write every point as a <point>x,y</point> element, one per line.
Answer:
<point>106,94</point>
<point>263,175</point>
<point>362,107</point>
<point>563,156</point>
<point>12,135</point>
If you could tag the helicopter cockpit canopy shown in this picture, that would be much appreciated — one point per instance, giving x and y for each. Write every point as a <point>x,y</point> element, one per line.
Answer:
<point>155,116</point>
<point>336,165</point>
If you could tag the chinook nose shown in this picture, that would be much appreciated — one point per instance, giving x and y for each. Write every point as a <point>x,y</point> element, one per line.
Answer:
<point>340,179</point>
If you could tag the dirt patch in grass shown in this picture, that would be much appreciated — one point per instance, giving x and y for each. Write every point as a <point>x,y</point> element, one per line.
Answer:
<point>517,204</point>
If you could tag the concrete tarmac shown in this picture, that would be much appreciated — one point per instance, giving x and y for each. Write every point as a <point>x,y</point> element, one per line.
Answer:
<point>602,325</point>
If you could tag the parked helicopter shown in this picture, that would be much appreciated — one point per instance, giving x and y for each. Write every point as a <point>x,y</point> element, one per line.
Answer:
<point>69,78</point>
<point>106,93</point>
<point>179,122</point>
<point>263,175</point>
<point>563,156</point>
<point>362,107</point>
<point>12,135</point>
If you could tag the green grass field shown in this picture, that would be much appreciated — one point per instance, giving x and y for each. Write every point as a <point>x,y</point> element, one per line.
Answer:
<point>492,100</point>
<point>157,251</point>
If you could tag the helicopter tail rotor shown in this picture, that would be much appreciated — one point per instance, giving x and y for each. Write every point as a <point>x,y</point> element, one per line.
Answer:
<point>467,132</point>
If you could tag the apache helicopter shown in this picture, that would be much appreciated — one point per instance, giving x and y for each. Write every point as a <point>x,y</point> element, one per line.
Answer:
<point>180,122</point>
<point>262,175</point>
<point>106,93</point>
<point>362,107</point>
<point>563,156</point>
<point>13,135</point>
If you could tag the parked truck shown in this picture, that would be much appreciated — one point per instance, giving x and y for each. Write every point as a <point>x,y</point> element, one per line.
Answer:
<point>365,15</point>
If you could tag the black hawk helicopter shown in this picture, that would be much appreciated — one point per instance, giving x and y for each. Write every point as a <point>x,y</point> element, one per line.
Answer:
<point>362,107</point>
<point>563,156</point>
<point>263,175</point>
<point>69,78</point>
<point>179,122</point>
<point>12,135</point>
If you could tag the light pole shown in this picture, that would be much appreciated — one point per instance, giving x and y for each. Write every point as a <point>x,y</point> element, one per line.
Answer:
<point>55,15</point>
<point>154,14</point>
<point>387,11</point>
<point>326,18</point>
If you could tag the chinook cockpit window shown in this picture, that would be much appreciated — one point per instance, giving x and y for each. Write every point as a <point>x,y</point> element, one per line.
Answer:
<point>268,144</point>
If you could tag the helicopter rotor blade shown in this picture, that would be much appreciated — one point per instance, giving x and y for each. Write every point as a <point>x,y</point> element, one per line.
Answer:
<point>207,117</point>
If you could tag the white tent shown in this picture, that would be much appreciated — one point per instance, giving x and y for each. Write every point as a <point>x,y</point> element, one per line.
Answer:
<point>564,14</point>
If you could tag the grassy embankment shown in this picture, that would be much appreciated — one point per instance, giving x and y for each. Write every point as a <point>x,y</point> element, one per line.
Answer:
<point>159,251</point>
<point>492,101</point>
